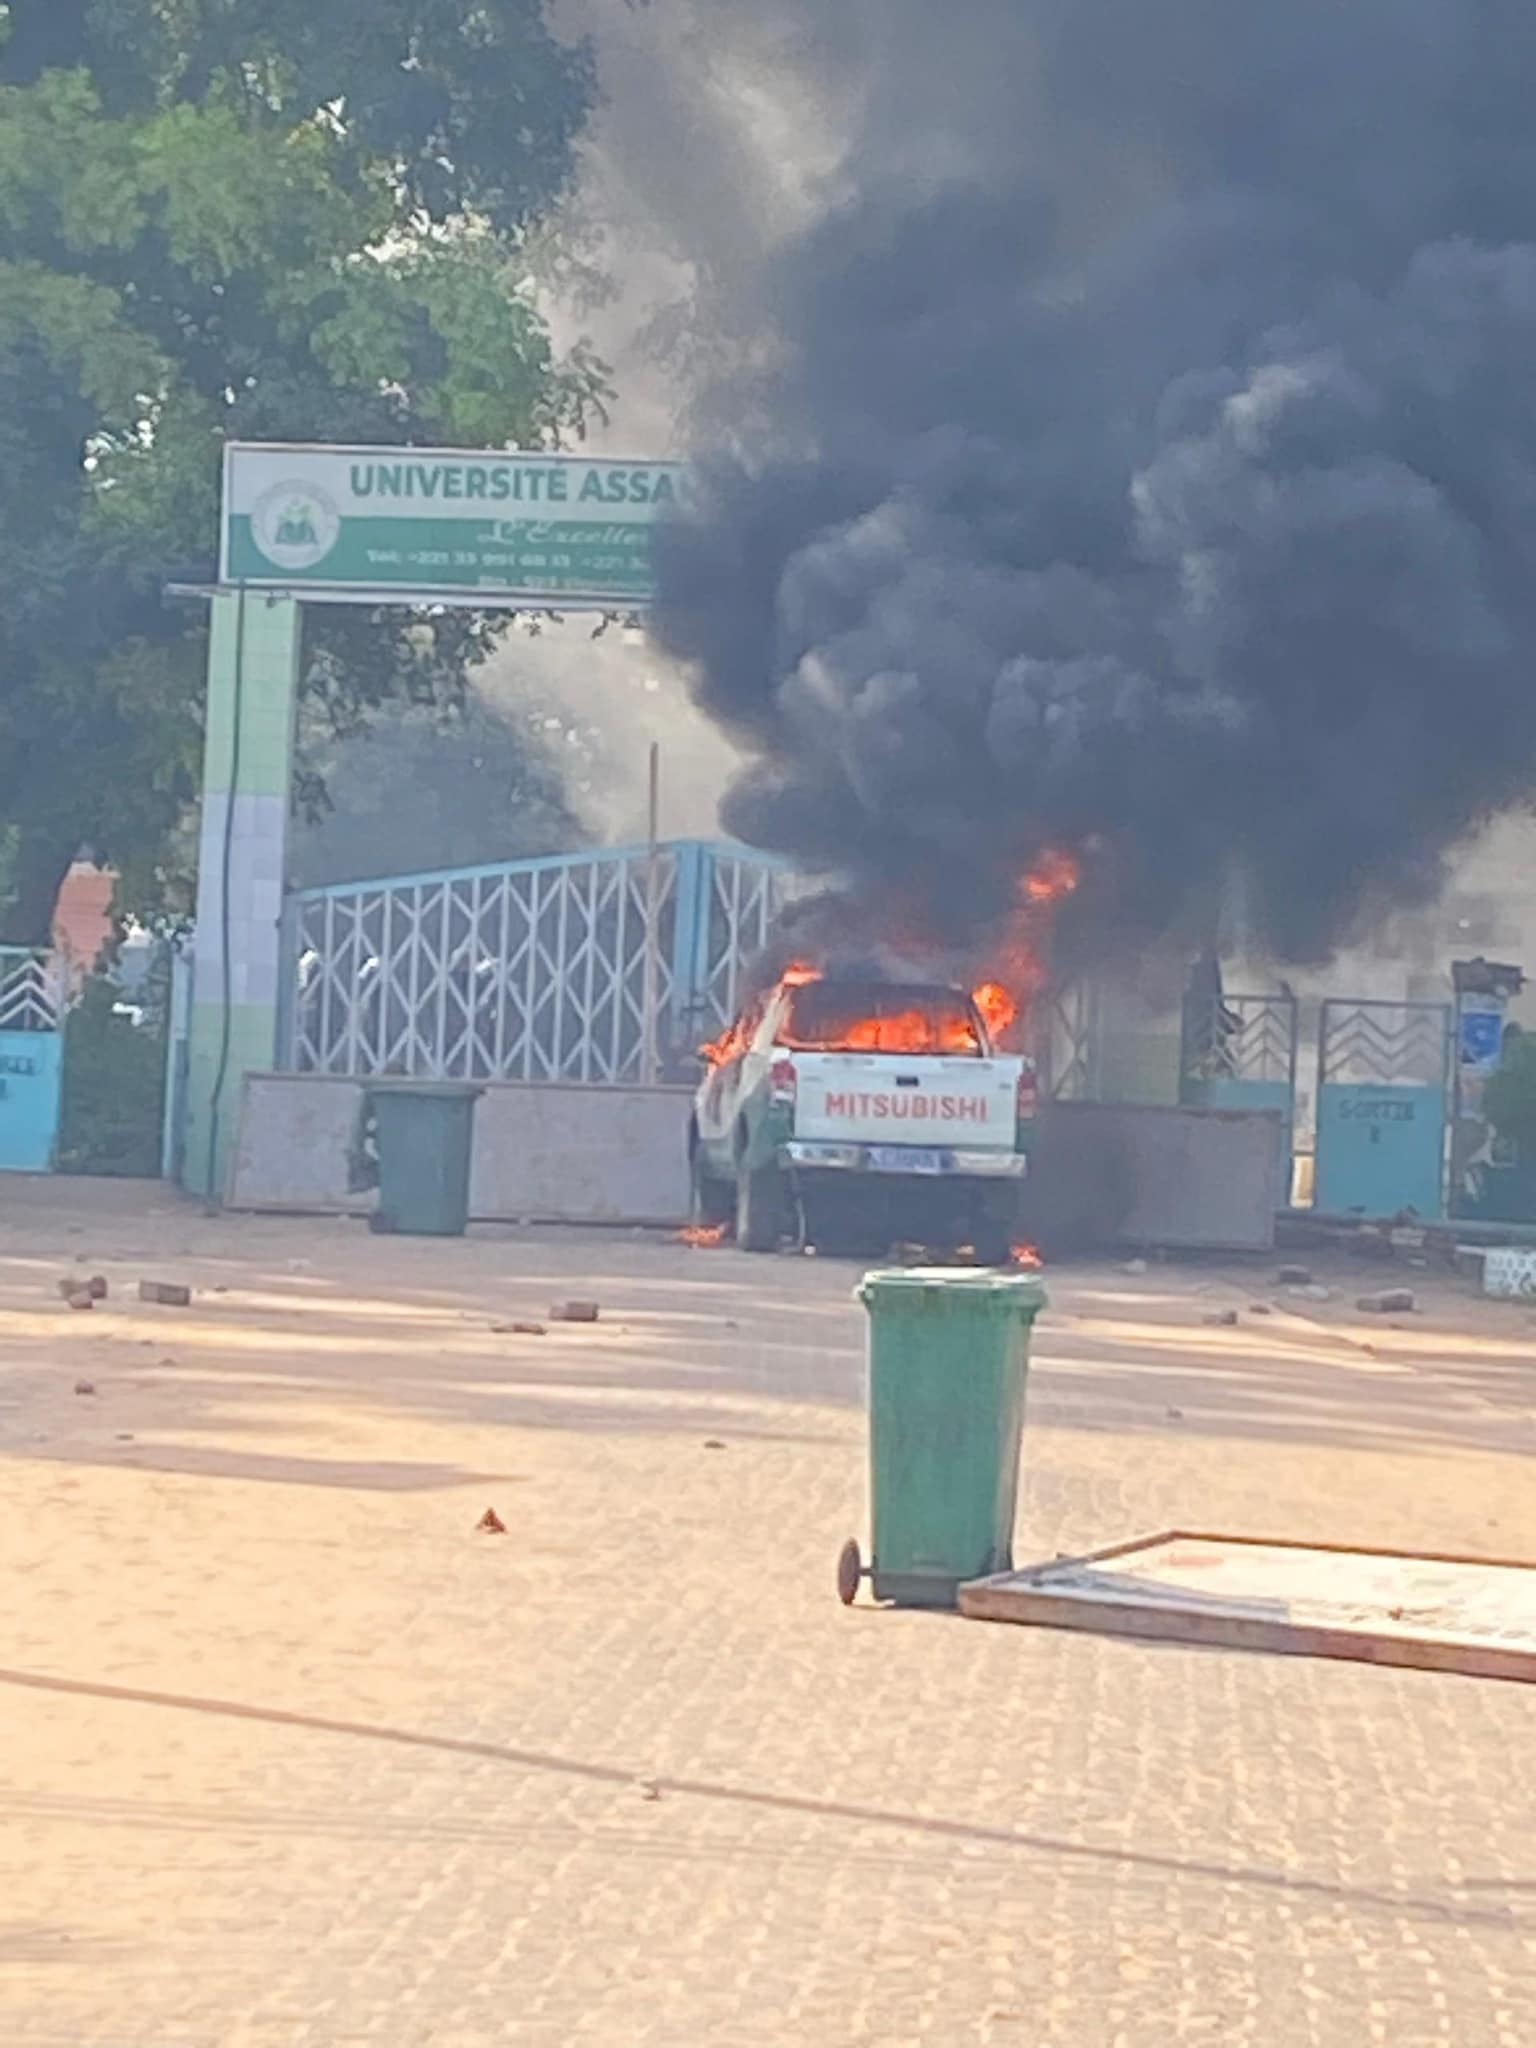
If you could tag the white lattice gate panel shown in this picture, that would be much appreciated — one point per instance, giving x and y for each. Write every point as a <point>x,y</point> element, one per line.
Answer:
<point>31,992</point>
<point>536,971</point>
<point>1369,1041</point>
<point>1239,1038</point>
<point>742,900</point>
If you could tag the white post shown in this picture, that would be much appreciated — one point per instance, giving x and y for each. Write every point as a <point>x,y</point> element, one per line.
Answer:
<point>253,669</point>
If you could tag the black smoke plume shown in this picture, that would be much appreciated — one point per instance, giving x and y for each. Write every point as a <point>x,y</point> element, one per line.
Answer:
<point>1140,457</point>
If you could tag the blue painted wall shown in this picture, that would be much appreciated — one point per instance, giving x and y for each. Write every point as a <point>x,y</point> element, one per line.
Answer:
<point>31,1068</point>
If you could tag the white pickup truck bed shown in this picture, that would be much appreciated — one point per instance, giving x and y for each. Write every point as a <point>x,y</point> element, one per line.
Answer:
<point>818,1116</point>
<point>906,1100</point>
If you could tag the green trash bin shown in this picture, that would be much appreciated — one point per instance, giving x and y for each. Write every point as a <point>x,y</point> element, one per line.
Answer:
<point>948,1355</point>
<point>423,1131</point>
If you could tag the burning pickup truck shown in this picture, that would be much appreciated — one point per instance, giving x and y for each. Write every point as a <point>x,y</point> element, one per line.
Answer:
<point>862,1111</point>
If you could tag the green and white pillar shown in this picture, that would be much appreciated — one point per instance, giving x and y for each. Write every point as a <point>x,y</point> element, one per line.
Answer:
<point>253,664</point>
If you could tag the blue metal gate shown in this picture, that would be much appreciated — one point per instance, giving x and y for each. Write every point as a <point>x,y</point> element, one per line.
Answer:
<point>31,1059</point>
<point>1239,1052</point>
<point>1383,1101</point>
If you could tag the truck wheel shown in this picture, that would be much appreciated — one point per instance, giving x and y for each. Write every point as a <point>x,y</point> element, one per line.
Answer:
<point>836,1224</point>
<point>996,1225</point>
<point>993,1246</point>
<point>710,1198</point>
<point>762,1210</point>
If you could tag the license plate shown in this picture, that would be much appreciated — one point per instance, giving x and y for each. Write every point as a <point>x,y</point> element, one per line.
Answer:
<point>909,1159</point>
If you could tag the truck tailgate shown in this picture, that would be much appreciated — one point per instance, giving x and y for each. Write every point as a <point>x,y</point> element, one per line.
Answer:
<point>906,1099</point>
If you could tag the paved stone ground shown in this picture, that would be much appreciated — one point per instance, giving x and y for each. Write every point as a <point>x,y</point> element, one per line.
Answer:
<point>291,1758</point>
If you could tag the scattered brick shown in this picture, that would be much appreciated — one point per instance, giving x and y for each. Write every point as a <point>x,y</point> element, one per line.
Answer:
<point>1394,1301</point>
<point>165,1293</point>
<point>574,1312</point>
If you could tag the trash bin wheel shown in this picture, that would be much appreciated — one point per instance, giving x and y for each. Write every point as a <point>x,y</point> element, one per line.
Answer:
<point>850,1569</point>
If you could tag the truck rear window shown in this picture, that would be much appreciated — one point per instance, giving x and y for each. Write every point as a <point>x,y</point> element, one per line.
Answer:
<point>845,1016</point>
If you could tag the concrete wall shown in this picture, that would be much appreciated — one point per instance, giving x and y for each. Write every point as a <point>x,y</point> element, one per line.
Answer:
<point>290,1148</point>
<point>581,1154</point>
<point>567,1154</point>
<point>1103,1173</point>
<point>1106,1174</point>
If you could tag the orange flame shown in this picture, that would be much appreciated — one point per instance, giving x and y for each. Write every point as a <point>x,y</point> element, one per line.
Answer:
<point>916,1030</point>
<point>998,1009</point>
<point>1017,967</point>
<point>1056,873</point>
<point>717,1051</point>
<point>702,1237</point>
<point>1027,1255</point>
<point>736,1036</point>
<point>1002,999</point>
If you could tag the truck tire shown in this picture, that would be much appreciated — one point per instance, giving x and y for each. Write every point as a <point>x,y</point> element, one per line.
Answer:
<point>762,1209</point>
<point>993,1247</point>
<point>836,1221</point>
<point>996,1225</point>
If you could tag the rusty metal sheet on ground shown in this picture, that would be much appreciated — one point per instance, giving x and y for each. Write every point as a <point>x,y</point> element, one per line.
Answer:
<point>1471,1615</point>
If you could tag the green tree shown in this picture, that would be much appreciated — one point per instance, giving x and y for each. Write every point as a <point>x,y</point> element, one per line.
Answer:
<point>254,219</point>
<point>1509,1100</point>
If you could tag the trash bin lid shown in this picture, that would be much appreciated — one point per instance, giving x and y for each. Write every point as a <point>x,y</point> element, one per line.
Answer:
<point>905,1286</point>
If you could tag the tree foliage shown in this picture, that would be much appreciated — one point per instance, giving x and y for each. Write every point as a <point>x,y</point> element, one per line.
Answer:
<point>1509,1099</point>
<point>253,219</point>
<point>114,1081</point>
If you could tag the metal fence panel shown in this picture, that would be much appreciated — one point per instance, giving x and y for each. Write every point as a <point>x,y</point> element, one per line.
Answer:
<point>1068,1043</point>
<point>1249,1040</point>
<point>530,971</point>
